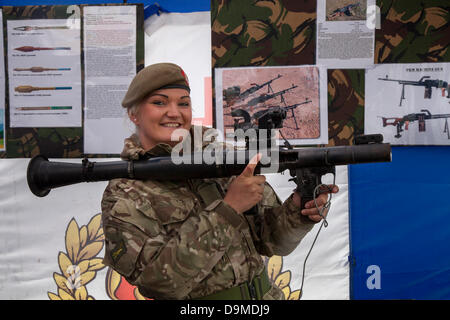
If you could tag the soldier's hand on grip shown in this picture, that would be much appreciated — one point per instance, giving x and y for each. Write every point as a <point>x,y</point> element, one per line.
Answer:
<point>312,208</point>
<point>247,189</point>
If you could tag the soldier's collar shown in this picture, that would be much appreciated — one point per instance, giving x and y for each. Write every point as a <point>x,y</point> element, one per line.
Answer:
<point>133,149</point>
<point>161,149</point>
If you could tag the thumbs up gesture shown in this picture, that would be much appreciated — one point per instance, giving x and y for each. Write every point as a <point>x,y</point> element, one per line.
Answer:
<point>247,189</point>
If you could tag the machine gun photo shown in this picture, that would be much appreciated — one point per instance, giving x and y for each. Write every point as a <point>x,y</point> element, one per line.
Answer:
<point>423,82</point>
<point>276,114</point>
<point>234,93</point>
<point>420,117</point>
<point>265,97</point>
<point>305,165</point>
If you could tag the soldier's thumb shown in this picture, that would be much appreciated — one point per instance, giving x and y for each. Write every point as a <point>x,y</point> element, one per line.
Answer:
<point>250,168</point>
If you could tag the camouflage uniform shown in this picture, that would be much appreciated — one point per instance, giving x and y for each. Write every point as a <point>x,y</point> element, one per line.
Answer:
<point>180,240</point>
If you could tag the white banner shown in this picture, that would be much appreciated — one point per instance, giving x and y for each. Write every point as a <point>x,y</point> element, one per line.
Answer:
<point>53,244</point>
<point>184,39</point>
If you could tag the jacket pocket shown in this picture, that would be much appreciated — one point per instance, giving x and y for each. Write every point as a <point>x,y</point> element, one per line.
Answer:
<point>123,245</point>
<point>129,212</point>
<point>168,208</point>
<point>225,271</point>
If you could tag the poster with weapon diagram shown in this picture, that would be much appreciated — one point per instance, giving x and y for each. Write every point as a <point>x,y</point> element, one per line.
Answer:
<point>249,96</point>
<point>44,73</point>
<point>409,103</point>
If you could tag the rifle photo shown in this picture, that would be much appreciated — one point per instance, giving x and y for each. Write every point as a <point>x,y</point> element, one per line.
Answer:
<point>427,83</point>
<point>264,97</point>
<point>347,10</point>
<point>269,114</point>
<point>420,117</point>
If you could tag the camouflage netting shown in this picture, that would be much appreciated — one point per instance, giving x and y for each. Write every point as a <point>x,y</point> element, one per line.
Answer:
<point>345,105</point>
<point>263,33</point>
<point>413,31</point>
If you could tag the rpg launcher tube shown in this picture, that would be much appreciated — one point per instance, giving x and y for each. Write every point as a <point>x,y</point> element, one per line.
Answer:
<point>27,89</point>
<point>43,175</point>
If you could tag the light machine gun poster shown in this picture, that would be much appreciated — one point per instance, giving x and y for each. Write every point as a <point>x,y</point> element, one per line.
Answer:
<point>409,103</point>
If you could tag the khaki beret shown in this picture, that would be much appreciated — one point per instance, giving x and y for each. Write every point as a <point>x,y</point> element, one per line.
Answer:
<point>154,77</point>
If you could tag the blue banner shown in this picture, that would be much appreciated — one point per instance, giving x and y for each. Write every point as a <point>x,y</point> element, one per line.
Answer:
<point>167,5</point>
<point>399,231</point>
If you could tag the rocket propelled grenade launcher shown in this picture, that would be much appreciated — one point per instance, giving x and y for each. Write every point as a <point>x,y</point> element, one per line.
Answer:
<point>31,48</point>
<point>30,28</point>
<point>27,89</point>
<point>306,165</point>
<point>41,69</point>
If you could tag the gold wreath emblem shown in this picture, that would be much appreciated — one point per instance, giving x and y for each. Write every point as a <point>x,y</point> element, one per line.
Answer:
<point>79,264</point>
<point>281,279</point>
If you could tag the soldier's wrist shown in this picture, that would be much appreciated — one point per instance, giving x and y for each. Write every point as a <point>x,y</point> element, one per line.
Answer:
<point>294,210</point>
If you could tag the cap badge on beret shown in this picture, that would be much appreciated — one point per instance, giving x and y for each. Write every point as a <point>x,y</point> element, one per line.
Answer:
<point>184,76</point>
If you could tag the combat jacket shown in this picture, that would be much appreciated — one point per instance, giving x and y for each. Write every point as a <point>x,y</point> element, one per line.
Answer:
<point>180,240</point>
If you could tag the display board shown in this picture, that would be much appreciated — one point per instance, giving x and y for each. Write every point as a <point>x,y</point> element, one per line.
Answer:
<point>357,42</point>
<point>67,69</point>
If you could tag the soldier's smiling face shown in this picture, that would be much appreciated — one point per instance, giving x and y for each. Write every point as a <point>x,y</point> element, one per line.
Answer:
<point>160,114</point>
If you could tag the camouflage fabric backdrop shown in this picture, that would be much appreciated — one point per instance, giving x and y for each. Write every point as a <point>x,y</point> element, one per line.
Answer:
<point>53,142</point>
<point>263,33</point>
<point>345,105</point>
<point>413,31</point>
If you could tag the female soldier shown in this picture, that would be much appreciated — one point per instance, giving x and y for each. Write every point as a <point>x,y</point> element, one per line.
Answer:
<point>190,239</point>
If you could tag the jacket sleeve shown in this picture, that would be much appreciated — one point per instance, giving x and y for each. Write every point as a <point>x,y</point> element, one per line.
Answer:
<point>165,265</point>
<point>277,228</point>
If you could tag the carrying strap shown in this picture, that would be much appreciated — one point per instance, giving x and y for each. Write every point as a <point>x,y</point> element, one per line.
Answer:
<point>254,290</point>
<point>208,190</point>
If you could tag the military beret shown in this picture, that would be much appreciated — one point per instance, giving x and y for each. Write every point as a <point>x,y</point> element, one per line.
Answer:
<point>154,77</point>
